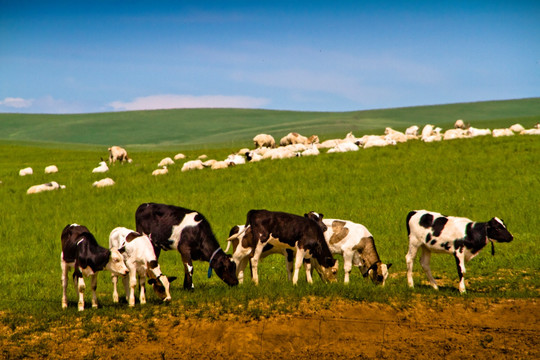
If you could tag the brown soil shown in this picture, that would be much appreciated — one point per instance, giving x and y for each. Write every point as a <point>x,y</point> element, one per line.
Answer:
<point>481,329</point>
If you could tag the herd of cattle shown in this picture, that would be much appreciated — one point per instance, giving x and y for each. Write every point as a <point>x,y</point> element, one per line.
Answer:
<point>308,240</point>
<point>290,146</point>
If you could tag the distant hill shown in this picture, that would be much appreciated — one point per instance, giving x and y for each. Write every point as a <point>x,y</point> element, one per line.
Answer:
<point>222,127</point>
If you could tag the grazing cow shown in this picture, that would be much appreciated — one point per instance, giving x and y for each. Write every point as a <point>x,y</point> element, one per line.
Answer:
<point>165,162</point>
<point>117,153</point>
<point>264,140</point>
<point>356,244</point>
<point>140,260</point>
<point>53,185</point>
<point>26,171</point>
<point>103,183</point>
<point>300,234</point>
<point>81,252</point>
<point>101,168</point>
<point>188,231</point>
<point>51,169</point>
<point>461,237</point>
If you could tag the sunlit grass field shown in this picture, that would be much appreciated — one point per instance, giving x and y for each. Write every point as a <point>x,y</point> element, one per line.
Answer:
<point>476,178</point>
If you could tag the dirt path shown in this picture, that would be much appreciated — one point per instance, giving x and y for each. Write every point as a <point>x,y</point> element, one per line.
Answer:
<point>505,330</point>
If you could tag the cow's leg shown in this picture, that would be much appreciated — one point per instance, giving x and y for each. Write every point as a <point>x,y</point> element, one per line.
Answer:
<point>460,262</point>
<point>424,261</point>
<point>65,271</point>
<point>289,263</point>
<point>80,286</point>
<point>347,264</point>
<point>411,255</point>
<point>93,285</point>
<point>255,262</point>
<point>242,263</point>
<point>300,253</point>
<point>132,286</point>
<point>114,279</point>
<point>188,269</point>
<point>142,289</point>
<point>309,270</point>
<point>125,281</point>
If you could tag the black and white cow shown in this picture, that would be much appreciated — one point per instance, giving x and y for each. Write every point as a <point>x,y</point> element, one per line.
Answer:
<point>279,232</point>
<point>81,252</point>
<point>461,237</point>
<point>172,227</point>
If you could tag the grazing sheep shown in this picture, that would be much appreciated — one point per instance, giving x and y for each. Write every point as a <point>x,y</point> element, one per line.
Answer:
<point>51,169</point>
<point>192,165</point>
<point>472,132</point>
<point>179,156</point>
<point>103,183</point>
<point>220,165</point>
<point>502,132</point>
<point>517,128</point>
<point>459,124</point>
<point>101,168</point>
<point>53,185</point>
<point>412,131</point>
<point>26,171</point>
<point>163,171</point>
<point>118,153</point>
<point>530,132</point>
<point>344,147</point>
<point>166,162</point>
<point>264,140</point>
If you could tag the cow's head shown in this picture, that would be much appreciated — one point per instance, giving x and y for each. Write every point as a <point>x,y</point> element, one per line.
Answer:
<point>496,230</point>
<point>327,269</point>
<point>317,217</point>
<point>161,285</point>
<point>378,273</point>
<point>116,263</point>
<point>225,268</point>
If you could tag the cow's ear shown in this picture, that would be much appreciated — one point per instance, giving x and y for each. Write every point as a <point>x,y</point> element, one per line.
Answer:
<point>321,216</point>
<point>171,278</point>
<point>122,250</point>
<point>305,215</point>
<point>388,266</point>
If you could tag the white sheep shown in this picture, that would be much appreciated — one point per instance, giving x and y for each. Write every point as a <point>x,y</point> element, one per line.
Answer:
<point>502,132</point>
<point>51,169</point>
<point>53,185</point>
<point>26,171</point>
<point>166,162</point>
<point>219,165</point>
<point>162,171</point>
<point>517,128</point>
<point>103,183</point>
<point>179,156</point>
<point>192,165</point>
<point>101,168</point>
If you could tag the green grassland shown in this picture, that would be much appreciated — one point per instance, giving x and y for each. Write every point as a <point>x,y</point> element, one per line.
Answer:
<point>218,128</point>
<point>477,178</point>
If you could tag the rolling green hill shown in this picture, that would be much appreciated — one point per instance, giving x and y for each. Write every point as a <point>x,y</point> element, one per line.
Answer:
<point>201,128</point>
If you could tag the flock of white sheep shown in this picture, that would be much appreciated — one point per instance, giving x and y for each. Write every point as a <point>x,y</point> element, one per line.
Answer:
<point>293,145</point>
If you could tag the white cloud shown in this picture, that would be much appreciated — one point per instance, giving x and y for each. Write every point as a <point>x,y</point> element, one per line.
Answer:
<point>18,103</point>
<point>155,102</point>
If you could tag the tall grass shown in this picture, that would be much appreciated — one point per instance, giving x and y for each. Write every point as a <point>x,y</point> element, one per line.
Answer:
<point>476,178</point>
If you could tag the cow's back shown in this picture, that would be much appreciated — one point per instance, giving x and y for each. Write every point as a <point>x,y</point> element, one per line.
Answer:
<point>71,234</point>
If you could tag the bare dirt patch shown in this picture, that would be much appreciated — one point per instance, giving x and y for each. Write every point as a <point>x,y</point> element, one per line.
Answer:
<point>458,329</point>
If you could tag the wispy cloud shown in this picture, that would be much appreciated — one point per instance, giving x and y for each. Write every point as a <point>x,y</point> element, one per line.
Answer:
<point>168,101</point>
<point>17,103</point>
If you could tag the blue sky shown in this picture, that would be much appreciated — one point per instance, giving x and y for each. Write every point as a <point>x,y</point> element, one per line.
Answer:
<point>95,56</point>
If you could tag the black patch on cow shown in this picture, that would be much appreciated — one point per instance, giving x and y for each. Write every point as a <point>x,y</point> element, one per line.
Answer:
<point>433,242</point>
<point>458,268</point>
<point>438,225</point>
<point>267,247</point>
<point>409,216</point>
<point>234,230</point>
<point>426,220</point>
<point>458,244</point>
<point>153,264</point>
<point>476,237</point>
<point>446,245</point>
<point>428,237</point>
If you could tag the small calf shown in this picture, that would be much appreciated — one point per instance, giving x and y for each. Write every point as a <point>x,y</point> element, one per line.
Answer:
<point>81,252</point>
<point>140,260</point>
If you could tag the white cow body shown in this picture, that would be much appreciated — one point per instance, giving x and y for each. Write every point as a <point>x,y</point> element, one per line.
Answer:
<point>140,260</point>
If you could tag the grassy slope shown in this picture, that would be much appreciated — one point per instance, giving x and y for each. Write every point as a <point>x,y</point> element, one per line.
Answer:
<point>478,178</point>
<point>200,128</point>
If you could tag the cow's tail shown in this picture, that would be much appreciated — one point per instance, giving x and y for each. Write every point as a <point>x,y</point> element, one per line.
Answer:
<point>409,216</point>
<point>235,236</point>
